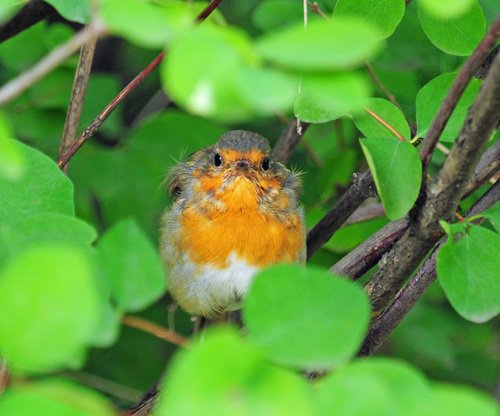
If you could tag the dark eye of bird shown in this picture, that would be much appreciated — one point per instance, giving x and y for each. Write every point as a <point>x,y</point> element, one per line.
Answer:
<point>217,160</point>
<point>265,163</point>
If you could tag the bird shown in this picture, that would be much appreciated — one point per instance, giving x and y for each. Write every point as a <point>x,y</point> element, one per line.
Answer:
<point>235,210</point>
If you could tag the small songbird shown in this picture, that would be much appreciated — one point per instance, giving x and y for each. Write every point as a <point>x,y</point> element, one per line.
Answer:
<point>235,212</point>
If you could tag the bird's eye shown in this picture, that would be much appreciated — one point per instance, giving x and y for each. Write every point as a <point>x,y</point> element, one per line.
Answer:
<point>266,163</point>
<point>217,160</point>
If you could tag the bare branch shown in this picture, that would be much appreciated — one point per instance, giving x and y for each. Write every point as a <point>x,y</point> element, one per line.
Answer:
<point>366,255</point>
<point>381,86</point>
<point>18,85</point>
<point>361,187</point>
<point>289,139</point>
<point>442,196</point>
<point>464,76</point>
<point>32,13</point>
<point>366,213</point>
<point>79,89</point>
<point>383,326</point>
<point>488,166</point>
<point>104,114</point>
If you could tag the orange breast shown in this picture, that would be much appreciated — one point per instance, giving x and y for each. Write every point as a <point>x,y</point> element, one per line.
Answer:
<point>210,236</point>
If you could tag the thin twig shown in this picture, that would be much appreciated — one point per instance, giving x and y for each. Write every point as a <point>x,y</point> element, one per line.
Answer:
<point>385,124</point>
<point>104,114</point>
<point>407,297</point>
<point>18,85</point>
<point>488,166</point>
<point>450,102</point>
<point>154,329</point>
<point>207,11</point>
<point>289,140</point>
<point>381,86</point>
<point>316,9</point>
<point>366,213</point>
<point>4,376</point>
<point>78,91</point>
<point>104,385</point>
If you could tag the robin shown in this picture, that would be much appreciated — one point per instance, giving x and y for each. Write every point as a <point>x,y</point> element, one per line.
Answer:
<point>235,212</point>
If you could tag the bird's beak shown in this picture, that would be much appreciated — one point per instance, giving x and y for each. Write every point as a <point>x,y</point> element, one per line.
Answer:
<point>242,164</point>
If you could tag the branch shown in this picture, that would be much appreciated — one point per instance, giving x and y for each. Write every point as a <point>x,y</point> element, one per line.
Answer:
<point>442,196</point>
<point>464,76</point>
<point>289,139</point>
<point>383,326</point>
<point>32,13</point>
<point>488,166</point>
<point>79,89</point>
<point>366,213</point>
<point>104,114</point>
<point>65,157</point>
<point>367,254</point>
<point>18,85</point>
<point>361,187</point>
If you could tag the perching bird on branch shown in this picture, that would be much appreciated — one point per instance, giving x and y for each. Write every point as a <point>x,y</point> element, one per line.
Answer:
<point>235,211</point>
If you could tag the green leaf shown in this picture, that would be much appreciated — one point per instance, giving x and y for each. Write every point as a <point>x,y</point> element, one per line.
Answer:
<point>447,8</point>
<point>429,99</point>
<point>194,77</point>
<point>267,91</point>
<point>468,272</point>
<point>455,35</point>
<point>273,14</point>
<point>154,25</point>
<point>41,188</point>
<point>224,376</point>
<point>456,400</point>
<point>8,8</point>
<point>74,10</point>
<point>44,228</point>
<point>53,397</point>
<point>384,387</point>
<point>493,215</point>
<point>348,237</point>
<point>323,45</point>
<point>428,335</point>
<point>48,295</point>
<point>23,50</point>
<point>318,320</point>
<point>384,14</point>
<point>133,266</point>
<point>397,171</point>
<point>326,97</point>
<point>53,90</point>
<point>388,112</point>
<point>11,160</point>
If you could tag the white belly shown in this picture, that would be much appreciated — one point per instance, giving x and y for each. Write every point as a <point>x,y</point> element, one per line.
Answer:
<point>206,290</point>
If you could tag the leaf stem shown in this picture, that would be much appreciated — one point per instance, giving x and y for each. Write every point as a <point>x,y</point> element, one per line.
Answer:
<point>154,329</point>
<point>385,124</point>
